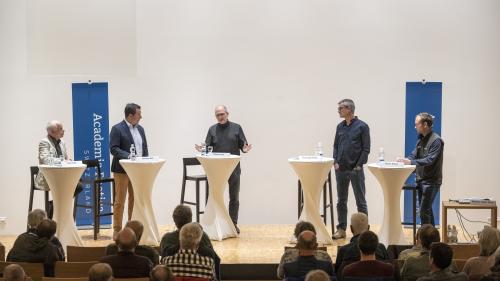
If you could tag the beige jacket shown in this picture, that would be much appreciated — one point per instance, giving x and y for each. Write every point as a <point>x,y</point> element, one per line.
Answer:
<point>46,154</point>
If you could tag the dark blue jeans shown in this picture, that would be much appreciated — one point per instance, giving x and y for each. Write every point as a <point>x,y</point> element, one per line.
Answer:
<point>357,179</point>
<point>426,195</point>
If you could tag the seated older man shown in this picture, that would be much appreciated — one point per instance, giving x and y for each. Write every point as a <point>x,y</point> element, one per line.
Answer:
<point>317,275</point>
<point>187,262</point>
<point>416,266</point>
<point>37,248</point>
<point>292,254</point>
<point>141,250</point>
<point>350,253</point>
<point>100,272</point>
<point>126,264</point>
<point>489,241</point>
<point>307,245</point>
<point>495,269</point>
<point>14,272</point>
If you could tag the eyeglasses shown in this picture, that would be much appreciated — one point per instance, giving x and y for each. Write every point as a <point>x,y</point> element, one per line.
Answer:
<point>340,107</point>
<point>220,114</point>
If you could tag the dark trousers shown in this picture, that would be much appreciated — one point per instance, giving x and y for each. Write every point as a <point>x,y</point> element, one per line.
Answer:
<point>426,195</point>
<point>234,194</point>
<point>357,179</point>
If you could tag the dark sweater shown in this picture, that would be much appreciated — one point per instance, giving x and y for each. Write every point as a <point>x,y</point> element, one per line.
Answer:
<point>304,264</point>
<point>140,250</point>
<point>28,247</point>
<point>128,265</point>
<point>372,268</point>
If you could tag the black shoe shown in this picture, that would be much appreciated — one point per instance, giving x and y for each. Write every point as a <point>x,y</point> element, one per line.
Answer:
<point>237,228</point>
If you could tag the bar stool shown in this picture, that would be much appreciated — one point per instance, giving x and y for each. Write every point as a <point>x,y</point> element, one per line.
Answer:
<point>33,188</point>
<point>193,161</point>
<point>326,205</point>
<point>413,189</point>
<point>97,189</point>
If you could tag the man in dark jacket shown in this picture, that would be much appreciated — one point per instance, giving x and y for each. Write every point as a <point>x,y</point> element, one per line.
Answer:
<point>126,264</point>
<point>121,138</point>
<point>428,157</point>
<point>37,248</point>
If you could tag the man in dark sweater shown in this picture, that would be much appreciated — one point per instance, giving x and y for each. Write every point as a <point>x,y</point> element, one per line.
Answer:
<point>140,250</point>
<point>170,243</point>
<point>349,253</point>
<point>350,151</point>
<point>126,264</point>
<point>36,247</point>
<point>307,245</point>
<point>228,137</point>
<point>428,157</point>
<point>368,266</point>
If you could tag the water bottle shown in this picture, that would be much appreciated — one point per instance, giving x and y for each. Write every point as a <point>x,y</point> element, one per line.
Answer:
<point>381,155</point>
<point>319,149</point>
<point>132,152</point>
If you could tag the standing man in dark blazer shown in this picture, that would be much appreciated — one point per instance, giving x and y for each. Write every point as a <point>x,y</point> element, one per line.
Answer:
<point>123,135</point>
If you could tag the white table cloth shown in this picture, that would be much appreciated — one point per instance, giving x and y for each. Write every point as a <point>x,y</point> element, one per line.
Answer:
<point>62,181</point>
<point>391,179</point>
<point>313,172</point>
<point>216,221</point>
<point>142,174</point>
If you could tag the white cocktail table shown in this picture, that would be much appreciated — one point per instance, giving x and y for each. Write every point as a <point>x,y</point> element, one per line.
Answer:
<point>216,221</point>
<point>142,174</point>
<point>62,180</point>
<point>312,172</point>
<point>391,179</point>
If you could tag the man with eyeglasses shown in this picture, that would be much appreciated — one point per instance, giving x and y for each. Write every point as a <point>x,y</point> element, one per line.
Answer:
<point>350,151</point>
<point>227,136</point>
<point>428,157</point>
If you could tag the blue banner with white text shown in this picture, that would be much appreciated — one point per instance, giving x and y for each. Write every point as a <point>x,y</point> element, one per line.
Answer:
<point>91,141</point>
<point>420,97</point>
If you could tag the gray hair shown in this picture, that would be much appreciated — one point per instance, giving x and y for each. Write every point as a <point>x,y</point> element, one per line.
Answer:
<point>52,124</point>
<point>489,240</point>
<point>359,222</point>
<point>223,106</point>
<point>14,272</point>
<point>348,103</point>
<point>190,236</point>
<point>35,217</point>
<point>161,273</point>
<point>317,275</point>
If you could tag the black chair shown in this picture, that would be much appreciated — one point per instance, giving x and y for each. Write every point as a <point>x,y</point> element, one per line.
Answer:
<point>33,172</point>
<point>326,204</point>
<point>97,185</point>
<point>413,189</point>
<point>192,161</point>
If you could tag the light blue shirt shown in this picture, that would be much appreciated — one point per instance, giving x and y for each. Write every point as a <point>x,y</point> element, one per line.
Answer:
<point>137,138</point>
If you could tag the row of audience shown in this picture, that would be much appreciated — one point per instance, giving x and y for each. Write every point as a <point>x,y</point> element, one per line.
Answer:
<point>188,252</point>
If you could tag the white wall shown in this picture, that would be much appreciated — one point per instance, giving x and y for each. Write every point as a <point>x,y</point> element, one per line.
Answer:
<point>281,66</point>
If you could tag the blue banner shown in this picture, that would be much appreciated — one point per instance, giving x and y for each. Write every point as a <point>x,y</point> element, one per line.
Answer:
<point>420,97</point>
<point>91,141</point>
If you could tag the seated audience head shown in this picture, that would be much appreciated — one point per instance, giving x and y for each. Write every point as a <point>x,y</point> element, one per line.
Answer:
<point>126,240</point>
<point>303,226</point>
<point>14,272</point>
<point>161,273</point>
<point>367,244</point>
<point>428,234</point>
<point>317,275</point>
<point>137,227</point>
<point>46,229</point>
<point>100,272</point>
<point>35,217</point>
<point>359,223</point>
<point>182,215</point>
<point>190,236</point>
<point>489,240</point>
<point>307,243</point>
<point>440,257</point>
